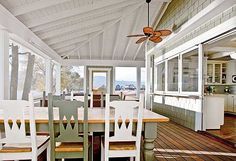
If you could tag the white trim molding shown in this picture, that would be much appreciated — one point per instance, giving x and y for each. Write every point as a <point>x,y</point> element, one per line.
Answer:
<point>115,63</point>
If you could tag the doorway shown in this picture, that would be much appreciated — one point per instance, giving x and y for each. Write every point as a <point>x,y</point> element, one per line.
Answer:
<point>220,87</point>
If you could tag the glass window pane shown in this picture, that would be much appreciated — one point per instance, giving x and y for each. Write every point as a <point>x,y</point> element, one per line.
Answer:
<point>190,71</point>
<point>160,77</point>
<point>38,82</point>
<point>125,81</point>
<point>143,77</point>
<point>173,74</point>
<point>100,82</point>
<point>72,78</point>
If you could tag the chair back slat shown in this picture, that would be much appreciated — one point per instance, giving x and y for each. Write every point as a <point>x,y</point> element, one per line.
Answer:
<point>14,112</point>
<point>68,120</point>
<point>124,112</point>
<point>68,123</point>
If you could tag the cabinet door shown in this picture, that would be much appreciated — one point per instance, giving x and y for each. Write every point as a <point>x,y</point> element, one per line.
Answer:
<point>209,73</point>
<point>217,74</point>
<point>226,103</point>
<point>234,103</point>
<point>230,103</point>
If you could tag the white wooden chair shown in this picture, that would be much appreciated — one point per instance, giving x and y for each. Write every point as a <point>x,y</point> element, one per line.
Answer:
<point>124,142</point>
<point>16,144</point>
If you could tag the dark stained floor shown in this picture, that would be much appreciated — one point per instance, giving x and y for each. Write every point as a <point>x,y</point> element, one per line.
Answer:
<point>228,130</point>
<point>175,142</point>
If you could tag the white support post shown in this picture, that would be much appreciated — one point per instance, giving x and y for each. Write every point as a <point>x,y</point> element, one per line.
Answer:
<point>85,80</point>
<point>4,65</point>
<point>14,73</point>
<point>114,79</point>
<point>138,85</point>
<point>58,79</point>
<point>148,79</point>
<point>48,76</point>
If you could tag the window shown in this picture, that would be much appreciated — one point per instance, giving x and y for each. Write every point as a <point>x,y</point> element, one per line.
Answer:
<point>190,71</point>
<point>38,81</point>
<point>173,74</point>
<point>125,80</point>
<point>100,82</point>
<point>72,78</point>
<point>54,74</point>
<point>160,77</point>
<point>143,78</point>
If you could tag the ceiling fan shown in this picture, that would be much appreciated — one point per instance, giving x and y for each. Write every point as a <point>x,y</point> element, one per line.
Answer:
<point>149,33</point>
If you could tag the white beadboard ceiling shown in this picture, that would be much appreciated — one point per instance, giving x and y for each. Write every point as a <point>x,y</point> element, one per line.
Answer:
<point>87,29</point>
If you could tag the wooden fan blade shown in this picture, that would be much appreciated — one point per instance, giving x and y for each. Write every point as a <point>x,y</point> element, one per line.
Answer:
<point>148,30</point>
<point>154,37</point>
<point>157,33</point>
<point>164,32</point>
<point>157,40</point>
<point>138,35</point>
<point>142,39</point>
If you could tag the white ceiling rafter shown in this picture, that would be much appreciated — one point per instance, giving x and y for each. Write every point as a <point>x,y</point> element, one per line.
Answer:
<point>134,29</point>
<point>103,44</point>
<point>20,10</point>
<point>73,35</point>
<point>111,24</point>
<point>118,35</point>
<point>90,49</point>
<point>137,51</point>
<point>77,19</point>
<point>62,50</point>
<point>69,42</point>
<point>79,26</point>
<point>78,11</point>
<point>24,35</point>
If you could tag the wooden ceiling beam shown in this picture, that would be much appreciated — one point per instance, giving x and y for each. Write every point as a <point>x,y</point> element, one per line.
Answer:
<point>101,5</point>
<point>37,5</point>
<point>79,26</point>
<point>74,35</point>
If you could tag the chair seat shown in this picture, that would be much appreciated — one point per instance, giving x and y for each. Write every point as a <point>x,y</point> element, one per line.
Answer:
<point>24,147</point>
<point>69,147</point>
<point>122,146</point>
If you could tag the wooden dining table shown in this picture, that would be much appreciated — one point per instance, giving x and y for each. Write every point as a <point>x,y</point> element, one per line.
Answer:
<point>96,121</point>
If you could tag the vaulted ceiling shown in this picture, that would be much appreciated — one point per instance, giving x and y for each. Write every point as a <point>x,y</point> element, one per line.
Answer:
<point>87,29</point>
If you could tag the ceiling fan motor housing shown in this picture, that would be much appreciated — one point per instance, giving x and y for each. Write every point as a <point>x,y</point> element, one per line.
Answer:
<point>148,31</point>
<point>148,1</point>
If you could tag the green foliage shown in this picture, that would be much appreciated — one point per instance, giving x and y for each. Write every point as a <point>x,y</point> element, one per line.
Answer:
<point>71,80</point>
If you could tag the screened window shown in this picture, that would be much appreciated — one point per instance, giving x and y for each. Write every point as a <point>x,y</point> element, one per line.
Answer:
<point>173,74</point>
<point>160,77</point>
<point>100,82</point>
<point>143,78</point>
<point>190,71</point>
<point>126,80</point>
<point>72,78</point>
<point>38,82</point>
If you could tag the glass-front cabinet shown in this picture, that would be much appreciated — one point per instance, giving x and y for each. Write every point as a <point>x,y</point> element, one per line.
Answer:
<point>216,72</point>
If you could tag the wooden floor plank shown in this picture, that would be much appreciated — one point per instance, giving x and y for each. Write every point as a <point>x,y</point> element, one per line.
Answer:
<point>175,137</point>
<point>175,145</point>
<point>198,144</point>
<point>186,141</point>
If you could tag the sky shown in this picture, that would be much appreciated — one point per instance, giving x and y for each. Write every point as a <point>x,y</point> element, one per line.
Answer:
<point>128,74</point>
<point>121,73</point>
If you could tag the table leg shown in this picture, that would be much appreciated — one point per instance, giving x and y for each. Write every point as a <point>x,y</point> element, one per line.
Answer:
<point>150,134</point>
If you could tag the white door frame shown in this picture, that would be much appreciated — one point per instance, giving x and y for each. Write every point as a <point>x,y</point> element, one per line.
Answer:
<point>108,79</point>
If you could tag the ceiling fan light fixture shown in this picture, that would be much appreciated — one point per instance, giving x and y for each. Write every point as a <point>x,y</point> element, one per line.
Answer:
<point>148,31</point>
